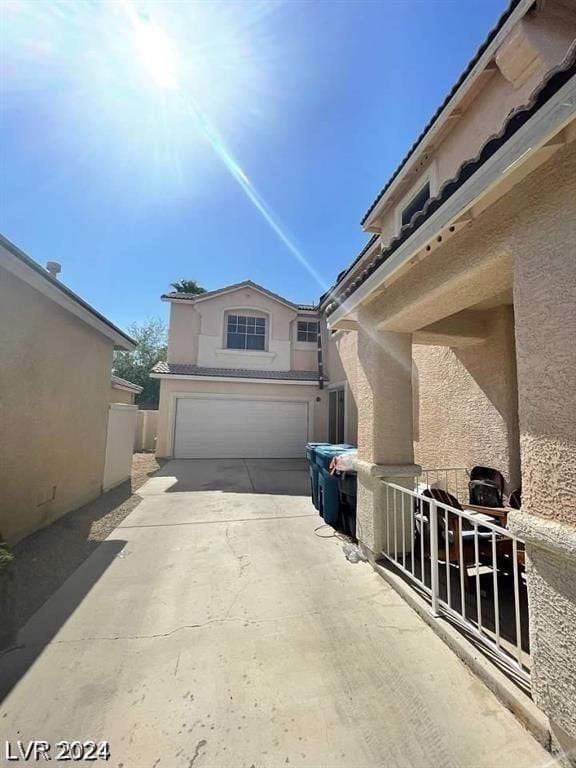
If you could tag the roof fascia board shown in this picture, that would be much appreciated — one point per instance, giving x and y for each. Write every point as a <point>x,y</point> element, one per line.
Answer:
<point>238,379</point>
<point>447,113</point>
<point>550,119</point>
<point>135,389</point>
<point>60,295</point>
<point>351,271</point>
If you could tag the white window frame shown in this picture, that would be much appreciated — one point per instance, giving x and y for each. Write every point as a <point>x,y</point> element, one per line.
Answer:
<point>245,312</point>
<point>304,345</point>
<point>308,320</point>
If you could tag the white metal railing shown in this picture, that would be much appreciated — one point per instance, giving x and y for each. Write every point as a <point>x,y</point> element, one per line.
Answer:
<point>467,566</point>
<point>453,479</point>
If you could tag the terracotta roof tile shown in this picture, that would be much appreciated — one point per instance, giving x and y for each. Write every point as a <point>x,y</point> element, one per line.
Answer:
<point>555,79</point>
<point>186,369</point>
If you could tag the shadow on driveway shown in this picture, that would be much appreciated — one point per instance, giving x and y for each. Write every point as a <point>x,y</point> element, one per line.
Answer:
<point>278,477</point>
<point>16,660</point>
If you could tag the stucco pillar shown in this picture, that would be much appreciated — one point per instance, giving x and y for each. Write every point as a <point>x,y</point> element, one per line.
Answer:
<point>385,444</point>
<point>545,312</point>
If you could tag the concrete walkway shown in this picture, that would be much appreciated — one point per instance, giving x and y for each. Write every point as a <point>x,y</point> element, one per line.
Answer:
<point>215,628</point>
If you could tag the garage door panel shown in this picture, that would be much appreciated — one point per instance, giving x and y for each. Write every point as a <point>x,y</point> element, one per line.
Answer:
<point>235,428</point>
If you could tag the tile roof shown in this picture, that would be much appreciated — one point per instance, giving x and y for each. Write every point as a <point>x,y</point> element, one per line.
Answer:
<point>185,369</point>
<point>243,284</point>
<point>125,383</point>
<point>555,79</point>
<point>471,64</point>
<point>349,268</point>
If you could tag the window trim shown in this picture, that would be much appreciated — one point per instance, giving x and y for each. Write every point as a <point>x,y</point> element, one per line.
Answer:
<point>245,312</point>
<point>307,320</point>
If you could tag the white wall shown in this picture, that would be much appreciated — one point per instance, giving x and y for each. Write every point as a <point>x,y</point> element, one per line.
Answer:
<point>119,444</point>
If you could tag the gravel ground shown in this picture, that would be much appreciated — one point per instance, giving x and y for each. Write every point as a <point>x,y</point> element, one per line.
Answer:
<point>48,557</point>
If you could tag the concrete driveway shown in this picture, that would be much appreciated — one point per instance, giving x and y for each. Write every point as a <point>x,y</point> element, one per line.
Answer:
<point>215,627</point>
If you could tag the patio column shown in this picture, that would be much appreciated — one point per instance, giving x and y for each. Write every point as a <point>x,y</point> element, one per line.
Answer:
<point>385,443</point>
<point>545,312</point>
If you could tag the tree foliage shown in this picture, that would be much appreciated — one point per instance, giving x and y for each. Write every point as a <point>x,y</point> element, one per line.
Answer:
<point>188,286</point>
<point>151,337</point>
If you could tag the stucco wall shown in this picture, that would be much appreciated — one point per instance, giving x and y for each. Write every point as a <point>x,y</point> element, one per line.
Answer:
<point>121,396</point>
<point>54,395</point>
<point>169,388</point>
<point>544,248</point>
<point>484,111</point>
<point>342,361</point>
<point>304,359</point>
<point>146,430</point>
<point>197,334</point>
<point>120,438</point>
<point>466,409</point>
<point>183,333</point>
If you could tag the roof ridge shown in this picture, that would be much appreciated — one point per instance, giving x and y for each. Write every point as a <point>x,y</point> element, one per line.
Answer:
<point>235,286</point>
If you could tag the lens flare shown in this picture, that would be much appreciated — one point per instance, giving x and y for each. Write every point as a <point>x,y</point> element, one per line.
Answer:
<point>130,93</point>
<point>157,55</point>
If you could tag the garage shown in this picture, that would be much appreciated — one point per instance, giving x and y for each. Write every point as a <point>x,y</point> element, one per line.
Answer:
<point>236,428</point>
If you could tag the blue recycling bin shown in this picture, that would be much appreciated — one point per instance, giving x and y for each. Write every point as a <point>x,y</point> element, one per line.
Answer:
<point>313,469</point>
<point>328,485</point>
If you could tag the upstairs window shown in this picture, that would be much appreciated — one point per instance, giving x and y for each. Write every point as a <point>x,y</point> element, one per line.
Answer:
<point>416,204</point>
<point>246,332</point>
<point>307,331</point>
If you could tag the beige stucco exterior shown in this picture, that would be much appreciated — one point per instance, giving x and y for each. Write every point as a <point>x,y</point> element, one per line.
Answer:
<point>465,400</point>
<point>342,366</point>
<point>197,333</point>
<point>118,395</point>
<point>491,315</point>
<point>483,292</point>
<point>197,336</point>
<point>54,395</point>
<point>537,44</point>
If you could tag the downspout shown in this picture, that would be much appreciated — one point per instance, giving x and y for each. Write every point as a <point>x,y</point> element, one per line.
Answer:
<point>320,359</point>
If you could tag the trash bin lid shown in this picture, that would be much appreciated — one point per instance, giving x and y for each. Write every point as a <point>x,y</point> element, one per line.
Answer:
<point>325,453</point>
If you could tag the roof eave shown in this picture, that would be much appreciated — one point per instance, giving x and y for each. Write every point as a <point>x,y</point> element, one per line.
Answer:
<point>556,113</point>
<point>439,121</point>
<point>20,264</point>
<point>243,379</point>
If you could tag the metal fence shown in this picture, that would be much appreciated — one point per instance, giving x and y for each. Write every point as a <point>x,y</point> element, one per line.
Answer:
<point>453,479</point>
<point>470,569</point>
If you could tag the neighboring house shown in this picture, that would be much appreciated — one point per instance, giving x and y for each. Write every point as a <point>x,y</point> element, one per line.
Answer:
<point>456,324</point>
<point>122,391</point>
<point>242,378</point>
<point>56,355</point>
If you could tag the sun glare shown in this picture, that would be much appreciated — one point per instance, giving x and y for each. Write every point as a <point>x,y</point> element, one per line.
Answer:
<point>157,54</point>
<point>148,85</point>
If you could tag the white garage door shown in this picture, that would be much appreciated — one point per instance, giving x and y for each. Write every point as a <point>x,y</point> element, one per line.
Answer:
<point>228,428</point>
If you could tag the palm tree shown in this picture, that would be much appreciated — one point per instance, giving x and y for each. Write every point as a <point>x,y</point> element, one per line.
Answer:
<point>188,286</point>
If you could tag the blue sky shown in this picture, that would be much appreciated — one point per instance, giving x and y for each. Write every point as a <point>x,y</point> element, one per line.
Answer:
<point>111,172</point>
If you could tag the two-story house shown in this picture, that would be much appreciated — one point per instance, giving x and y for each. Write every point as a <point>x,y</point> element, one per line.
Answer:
<point>456,327</point>
<point>244,377</point>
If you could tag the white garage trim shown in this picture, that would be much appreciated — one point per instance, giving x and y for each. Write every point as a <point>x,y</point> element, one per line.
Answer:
<point>175,396</point>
